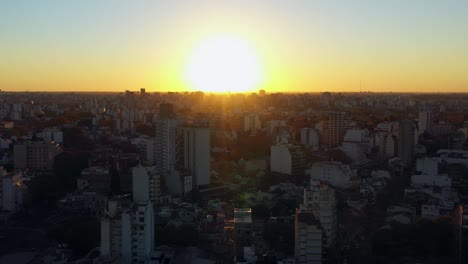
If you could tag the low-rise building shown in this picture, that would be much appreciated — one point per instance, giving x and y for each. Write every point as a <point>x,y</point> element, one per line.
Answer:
<point>95,179</point>
<point>336,174</point>
<point>36,155</point>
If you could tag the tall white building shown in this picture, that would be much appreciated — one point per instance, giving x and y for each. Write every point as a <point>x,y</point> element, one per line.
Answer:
<point>165,144</point>
<point>320,198</point>
<point>307,237</point>
<point>197,154</point>
<point>165,148</point>
<point>146,184</point>
<point>425,122</point>
<point>127,231</point>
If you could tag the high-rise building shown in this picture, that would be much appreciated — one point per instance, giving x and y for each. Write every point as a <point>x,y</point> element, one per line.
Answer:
<point>242,231</point>
<point>336,129</point>
<point>146,184</point>
<point>320,199</point>
<point>406,142</point>
<point>425,122</point>
<point>197,154</point>
<point>127,231</point>
<point>165,144</point>
<point>307,237</point>
<point>182,154</point>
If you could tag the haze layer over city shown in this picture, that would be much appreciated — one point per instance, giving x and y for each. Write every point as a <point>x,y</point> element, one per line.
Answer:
<point>233,132</point>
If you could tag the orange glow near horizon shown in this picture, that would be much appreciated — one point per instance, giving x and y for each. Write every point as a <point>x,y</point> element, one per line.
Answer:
<point>236,46</point>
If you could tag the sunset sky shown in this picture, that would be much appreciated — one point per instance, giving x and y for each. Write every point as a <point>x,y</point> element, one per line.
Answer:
<point>304,46</point>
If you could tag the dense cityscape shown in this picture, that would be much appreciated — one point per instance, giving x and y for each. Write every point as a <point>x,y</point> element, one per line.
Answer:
<point>196,177</point>
<point>233,132</point>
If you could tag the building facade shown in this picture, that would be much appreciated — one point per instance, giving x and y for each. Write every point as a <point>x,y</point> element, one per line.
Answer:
<point>307,238</point>
<point>336,129</point>
<point>242,231</point>
<point>127,231</point>
<point>35,155</point>
<point>288,159</point>
<point>406,142</point>
<point>321,200</point>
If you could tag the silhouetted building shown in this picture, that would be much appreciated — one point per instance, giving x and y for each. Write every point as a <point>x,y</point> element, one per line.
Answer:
<point>197,154</point>
<point>242,231</point>
<point>166,111</point>
<point>336,129</point>
<point>406,142</point>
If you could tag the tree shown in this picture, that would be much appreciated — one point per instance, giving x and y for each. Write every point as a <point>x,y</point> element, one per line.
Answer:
<point>81,234</point>
<point>425,239</point>
<point>68,166</point>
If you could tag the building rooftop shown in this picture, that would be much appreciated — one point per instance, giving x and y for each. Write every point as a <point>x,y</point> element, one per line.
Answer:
<point>242,215</point>
<point>306,216</point>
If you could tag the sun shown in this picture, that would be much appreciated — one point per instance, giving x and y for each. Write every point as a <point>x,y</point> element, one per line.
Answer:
<point>223,64</point>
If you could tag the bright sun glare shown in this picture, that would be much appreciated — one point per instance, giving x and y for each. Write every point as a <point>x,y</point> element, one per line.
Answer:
<point>224,64</point>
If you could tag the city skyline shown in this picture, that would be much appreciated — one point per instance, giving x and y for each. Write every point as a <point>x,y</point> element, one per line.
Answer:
<point>377,46</point>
